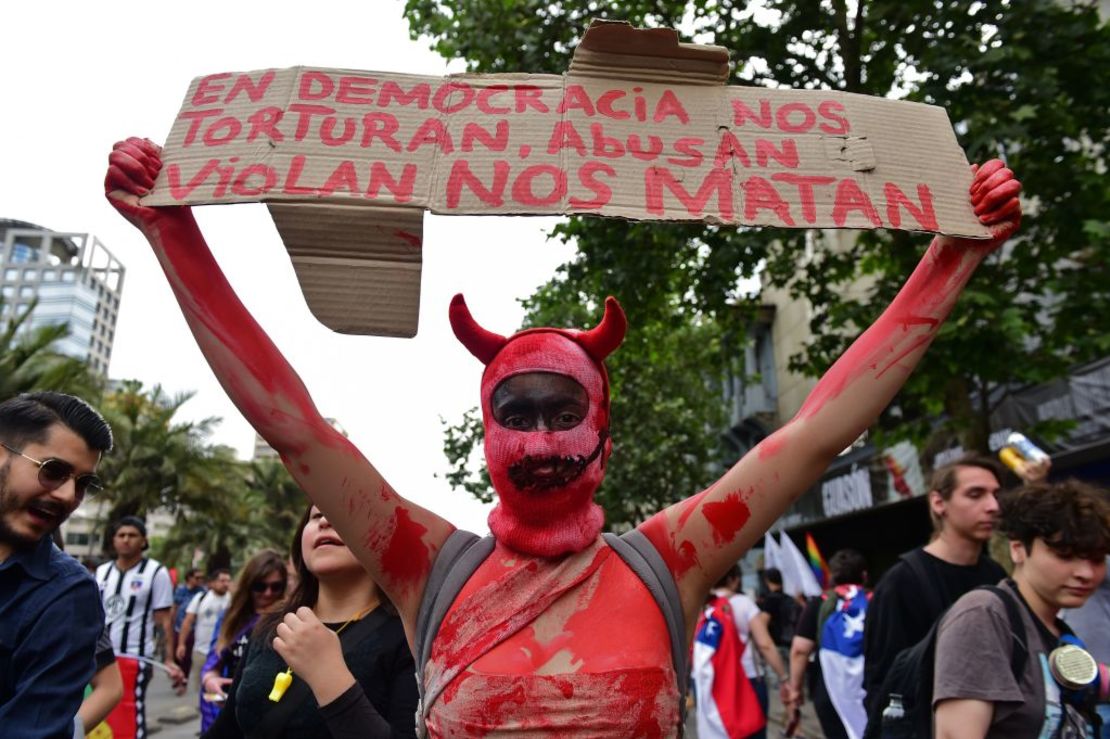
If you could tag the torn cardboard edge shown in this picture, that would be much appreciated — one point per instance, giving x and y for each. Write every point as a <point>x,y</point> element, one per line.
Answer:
<point>642,127</point>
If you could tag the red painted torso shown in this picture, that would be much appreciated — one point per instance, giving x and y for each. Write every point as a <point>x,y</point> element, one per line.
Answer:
<point>595,662</point>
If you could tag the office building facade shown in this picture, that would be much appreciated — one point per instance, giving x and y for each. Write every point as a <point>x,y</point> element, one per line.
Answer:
<point>75,280</point>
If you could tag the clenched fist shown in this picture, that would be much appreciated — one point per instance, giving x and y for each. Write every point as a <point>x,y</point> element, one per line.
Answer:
<point>314,653</point>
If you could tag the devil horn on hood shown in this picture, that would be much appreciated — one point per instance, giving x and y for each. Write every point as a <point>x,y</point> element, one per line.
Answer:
<point>482,343</point>
<point>601,340</point>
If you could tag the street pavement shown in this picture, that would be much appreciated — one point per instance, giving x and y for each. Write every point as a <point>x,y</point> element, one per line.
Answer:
<point>170,716</point>
<point>176,717</point>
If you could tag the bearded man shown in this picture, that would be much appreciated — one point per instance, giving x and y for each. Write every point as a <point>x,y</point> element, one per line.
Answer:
<point>553,634</point>
<point>50,614</point>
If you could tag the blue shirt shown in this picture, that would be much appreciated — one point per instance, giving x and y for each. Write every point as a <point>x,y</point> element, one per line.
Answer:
<point>50,618</point>
<point>181,597</point>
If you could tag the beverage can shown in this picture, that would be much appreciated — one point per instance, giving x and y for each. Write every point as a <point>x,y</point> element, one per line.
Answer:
<point>1027,449</point>
<point>1011,458</point>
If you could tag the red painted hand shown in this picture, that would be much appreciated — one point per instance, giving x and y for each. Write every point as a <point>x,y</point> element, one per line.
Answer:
<point>132,167</point>
<point>994,196</point>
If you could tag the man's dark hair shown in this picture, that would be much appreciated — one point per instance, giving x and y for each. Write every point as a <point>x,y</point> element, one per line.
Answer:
<point>27,418</point>
<point>136,523</point>
<point>217,572</point>
<point>1071,517</point>
<point>194,572</point>
<point>732,573</point>
<point>772,576</point>
<point>848,567</point>
<point>133,521</point>
<point>945,479</point>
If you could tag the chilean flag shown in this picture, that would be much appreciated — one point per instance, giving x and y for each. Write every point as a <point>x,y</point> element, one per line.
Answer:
<point>727,704</point>
<point>841,656</point>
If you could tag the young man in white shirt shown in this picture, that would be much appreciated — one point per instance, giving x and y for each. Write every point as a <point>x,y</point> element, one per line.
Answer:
<point>201,616</point>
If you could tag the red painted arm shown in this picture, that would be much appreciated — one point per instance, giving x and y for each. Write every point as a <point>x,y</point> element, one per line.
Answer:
<point>702,536</point>
<point>393,538</point>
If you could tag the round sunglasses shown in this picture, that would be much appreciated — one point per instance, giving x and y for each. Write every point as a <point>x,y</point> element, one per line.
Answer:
<point>53,473</point>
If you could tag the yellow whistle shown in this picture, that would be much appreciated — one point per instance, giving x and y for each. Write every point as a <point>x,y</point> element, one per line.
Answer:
<point>282,681</point>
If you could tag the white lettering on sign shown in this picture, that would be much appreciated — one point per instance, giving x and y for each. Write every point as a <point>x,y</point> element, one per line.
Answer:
<point>847,493</point>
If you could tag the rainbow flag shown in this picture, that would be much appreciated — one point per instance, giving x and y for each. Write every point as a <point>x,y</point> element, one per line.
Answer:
<point>817,562</point>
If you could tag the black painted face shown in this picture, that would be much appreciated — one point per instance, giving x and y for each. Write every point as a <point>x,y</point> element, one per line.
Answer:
<point>539,401</point>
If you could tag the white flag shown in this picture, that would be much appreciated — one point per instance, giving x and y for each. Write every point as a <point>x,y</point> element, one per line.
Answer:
<point>772,557</point>
<point>806,581</point>
<point>791,584</point>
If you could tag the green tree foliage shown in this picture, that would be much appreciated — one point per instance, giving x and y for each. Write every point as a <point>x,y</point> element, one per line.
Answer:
<point>277,503</point>
<point>258,506</point>
<point>1029,81</point>
<point>29,360</point>
<point>226,508</point>
<point>163,464</point>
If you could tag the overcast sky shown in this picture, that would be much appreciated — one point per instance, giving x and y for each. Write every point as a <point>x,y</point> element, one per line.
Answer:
<point>76,77</point>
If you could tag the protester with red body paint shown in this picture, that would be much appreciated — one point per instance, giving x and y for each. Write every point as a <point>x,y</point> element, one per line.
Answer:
<point>552,632</point>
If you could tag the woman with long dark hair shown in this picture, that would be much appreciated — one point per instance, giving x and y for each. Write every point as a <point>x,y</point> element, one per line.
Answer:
<point>258,590</point>
<point>333,663</point>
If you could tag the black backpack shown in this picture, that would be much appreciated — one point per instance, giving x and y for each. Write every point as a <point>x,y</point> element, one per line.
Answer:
<point>911,677</point>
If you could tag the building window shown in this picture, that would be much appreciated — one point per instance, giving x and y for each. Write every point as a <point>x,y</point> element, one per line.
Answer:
<point>11,274</point>
<point>68,276</point>
<point>27,291</point>
<point>8,291</point>
<point>49,275</point>
<point>77,538</point>
<point>30,274</point>
<point>23,252</point>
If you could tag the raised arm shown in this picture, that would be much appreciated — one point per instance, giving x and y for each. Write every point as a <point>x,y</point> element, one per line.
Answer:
<point>394,539</point>
<point>702,536</point>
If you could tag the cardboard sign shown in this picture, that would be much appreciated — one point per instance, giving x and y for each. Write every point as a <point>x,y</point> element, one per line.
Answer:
<point>641,127</point>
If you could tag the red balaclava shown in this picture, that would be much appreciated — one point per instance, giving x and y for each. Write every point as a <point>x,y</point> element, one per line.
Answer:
<point>546,517</point>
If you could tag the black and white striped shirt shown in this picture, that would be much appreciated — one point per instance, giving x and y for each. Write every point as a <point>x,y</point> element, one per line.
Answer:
<point>130,599</point>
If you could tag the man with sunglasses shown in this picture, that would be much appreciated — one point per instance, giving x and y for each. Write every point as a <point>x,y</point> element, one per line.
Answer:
<point>50,613</point>
<point>137,594</point>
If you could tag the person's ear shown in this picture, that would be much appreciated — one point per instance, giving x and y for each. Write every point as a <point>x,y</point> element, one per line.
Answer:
<point>937,504</point>
<point>1017,552</point>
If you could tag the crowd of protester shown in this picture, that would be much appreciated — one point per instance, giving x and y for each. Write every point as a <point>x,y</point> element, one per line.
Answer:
<point>78,650</point>
<point>948,644</point>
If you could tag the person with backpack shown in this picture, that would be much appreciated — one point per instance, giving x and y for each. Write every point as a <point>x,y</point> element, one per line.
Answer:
<point>554,630</point>
<point>1036,680</point>
<point>781,609</point>
<point>837,693</point>
<point>730,687</point>
<point>912,595</point>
